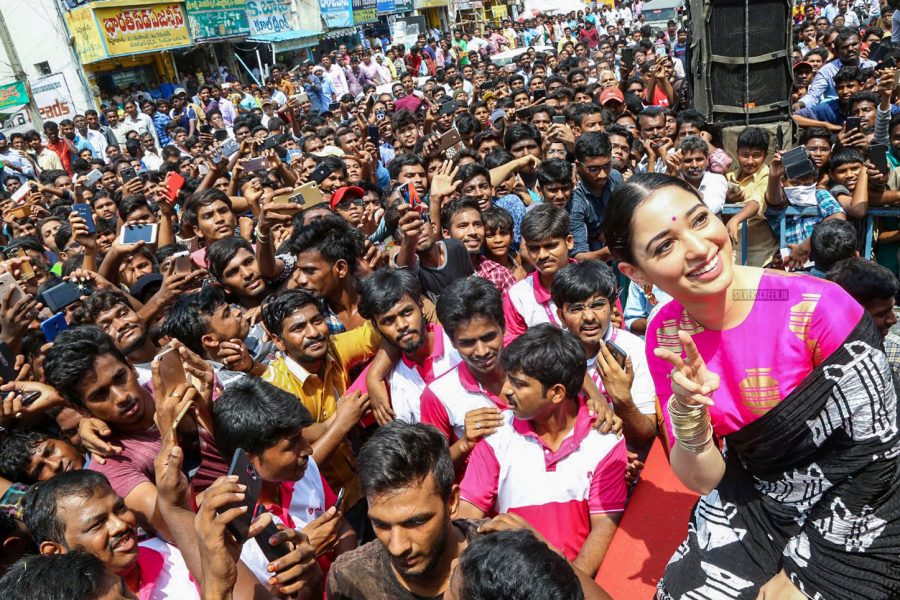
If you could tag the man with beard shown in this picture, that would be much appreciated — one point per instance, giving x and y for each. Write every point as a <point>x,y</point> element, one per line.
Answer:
<point>315,368</point>
<point>91,373</point>
<point>391,300</point>
<point>407,477</point>
<point>597,180</point>
<point>693,161</point>
<point>111,311</point>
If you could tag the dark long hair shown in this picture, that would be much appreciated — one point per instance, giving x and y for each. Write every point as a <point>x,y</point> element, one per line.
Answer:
<point>619,221</point>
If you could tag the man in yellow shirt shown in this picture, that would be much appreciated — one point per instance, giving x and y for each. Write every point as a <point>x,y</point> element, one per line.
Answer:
<point>747,186</point>
<point>314,367</point>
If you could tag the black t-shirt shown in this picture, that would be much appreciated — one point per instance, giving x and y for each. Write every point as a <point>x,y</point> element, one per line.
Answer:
<point>457,264</point>
<point>366,574</point>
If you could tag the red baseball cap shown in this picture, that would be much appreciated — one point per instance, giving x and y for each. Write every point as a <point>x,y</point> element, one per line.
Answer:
<point>802,63</point>
<point>354,191</point>
<point>611,93</point>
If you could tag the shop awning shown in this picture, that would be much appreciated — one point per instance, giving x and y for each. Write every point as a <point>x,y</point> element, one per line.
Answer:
<point>285,41</point>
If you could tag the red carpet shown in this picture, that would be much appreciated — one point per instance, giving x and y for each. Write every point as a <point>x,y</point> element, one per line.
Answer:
<point>653,526</point>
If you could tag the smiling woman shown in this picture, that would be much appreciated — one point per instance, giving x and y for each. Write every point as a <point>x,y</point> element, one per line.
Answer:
<point>796,426</point>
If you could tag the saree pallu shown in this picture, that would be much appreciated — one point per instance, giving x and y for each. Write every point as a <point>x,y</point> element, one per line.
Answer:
<point>811,487</point>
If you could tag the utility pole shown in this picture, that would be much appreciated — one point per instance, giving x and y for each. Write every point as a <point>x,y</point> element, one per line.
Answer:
<point>19,72</point>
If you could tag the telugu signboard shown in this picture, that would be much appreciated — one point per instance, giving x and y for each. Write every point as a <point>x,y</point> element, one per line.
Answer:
<point>268,16</point>
<point>53,99</point>
<point>12,95</point>
<point>86,36</point>
<point>365,11</point>
<point>336,13</point>
<point>142,28</point>
<point>216,19</point>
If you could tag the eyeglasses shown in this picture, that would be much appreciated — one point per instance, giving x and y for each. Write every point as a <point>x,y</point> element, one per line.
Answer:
<point>596,169</point>
<point>594,307</point>
<point>348,203</point>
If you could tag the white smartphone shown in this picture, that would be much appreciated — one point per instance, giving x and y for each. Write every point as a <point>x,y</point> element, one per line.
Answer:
<point>132,234</point>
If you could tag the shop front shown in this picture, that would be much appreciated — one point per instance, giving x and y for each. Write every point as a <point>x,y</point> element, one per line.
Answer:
<point>435,13</point>
<point>124,43</point>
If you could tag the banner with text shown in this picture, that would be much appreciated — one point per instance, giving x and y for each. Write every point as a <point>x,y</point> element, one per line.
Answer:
<point>268,16</point>
<point>336,13</point>
<point>142,28</point>
<point>365,11</point>
<point>85,35</point>
<point>53,99</point>
<point>215,19</point>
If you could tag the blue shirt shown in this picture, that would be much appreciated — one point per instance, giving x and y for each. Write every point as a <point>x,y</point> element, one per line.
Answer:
<point>160,120</point>
<point>798,229</point>
<point>587,211</point>
<point>822,85</point>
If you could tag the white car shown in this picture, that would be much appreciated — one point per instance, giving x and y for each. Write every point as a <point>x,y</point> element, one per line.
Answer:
<point>510,56</point>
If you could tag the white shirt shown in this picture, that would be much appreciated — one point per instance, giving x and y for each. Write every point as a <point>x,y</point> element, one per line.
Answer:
<point>98,142</point>
<point>713,188</point>
<point>142,124</point>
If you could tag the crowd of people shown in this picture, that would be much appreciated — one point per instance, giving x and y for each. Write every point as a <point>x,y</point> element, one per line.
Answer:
<point>406,323</point>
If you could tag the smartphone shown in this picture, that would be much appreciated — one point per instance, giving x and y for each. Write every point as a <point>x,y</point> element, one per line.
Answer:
<point>7,282</point>
<point>182,261</point>
<point>618,354</point>
<point>255,165</point>
<point>21,212</point>
<point>449,139</point>
<point>538,94</point>
<point>877,155</point>
<point>192,243</point>
<point>174,181</point>
<point>132,234</point>
<point>340,500</point>
<point>334,106</point>
<point>84,211</point>
<point>888,63</point>
<point>559,119</point>
<point>301,98</point>
<point>247,475</point>
<point>93,177</point>
<point>271,142</point>
<point>26,271</point>
<point>320,173</point>
<point>372,130</point>
<point>269,551</point>
<point>797,163</point>
<point>127,174</point>
<point>171,370</point>
<point>293,155</point>
<point>54,326</point>
<point>205,128</point>
<point>628,58</point>
<point>853,123</point>
<point>308,195</point>
<point>660,50</point>
<point>62,295</point>
<point>230,146</point>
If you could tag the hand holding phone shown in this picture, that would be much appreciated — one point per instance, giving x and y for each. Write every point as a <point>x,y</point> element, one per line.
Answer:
<point>242,468</point>
<point>132,234</point>
<point>84,211</point>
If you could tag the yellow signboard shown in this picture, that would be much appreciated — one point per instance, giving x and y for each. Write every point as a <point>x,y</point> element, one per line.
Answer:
<point>83,29</point>
<point>499,12</point>
<point>142,28</point>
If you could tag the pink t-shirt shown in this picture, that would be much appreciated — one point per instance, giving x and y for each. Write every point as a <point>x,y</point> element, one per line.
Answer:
<point>796,322</point>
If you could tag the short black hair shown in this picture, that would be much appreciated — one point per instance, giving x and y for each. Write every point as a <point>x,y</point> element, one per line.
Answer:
<point>515,564</point>
<point>88,310</point>
<point>467,298</point>
<point>200,200</point>
<point>844,156</point>
<point>332,237</point>
<point>496,218</point>
<point>253,415</point>
<point>865,280</point>
<point>188,318</point>
<point>754,138</point>
<point>555,171</point>
<point>550,355</point>
<point>69,576</point>
<point>16,448</point>
<point>457,205</point>
<point>577,282</point>
<point>383,289</point>
<point>832,241</point>
<point>592,144</point>
<point>41,501</point>
<point>544,222</point>
<point>71,359</point>
<point>400,454</point>
<point>275,309</point>
<point>221,252</point>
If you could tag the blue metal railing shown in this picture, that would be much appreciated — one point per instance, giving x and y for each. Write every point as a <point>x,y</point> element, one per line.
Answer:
<point>811,211</point>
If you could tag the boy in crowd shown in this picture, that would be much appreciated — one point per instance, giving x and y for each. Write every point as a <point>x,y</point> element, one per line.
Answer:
<point>534,465</point>
<point>498,261</point>
<point>547,240</point>
<point>831,242</point>
<point>584,294</point>
<point>31,455</point>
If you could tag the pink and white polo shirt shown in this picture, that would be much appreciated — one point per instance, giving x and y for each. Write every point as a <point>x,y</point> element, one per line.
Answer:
<point>557,492</point>
<point>407,380</point>
<point>643,390</point>
<point>525,304</point>
<point>447,399</point>
<point>164,574</point>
